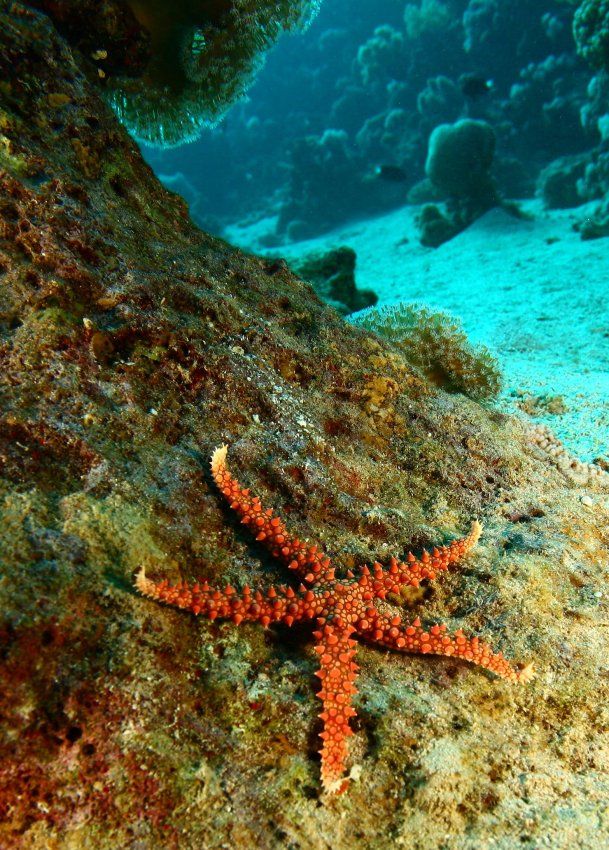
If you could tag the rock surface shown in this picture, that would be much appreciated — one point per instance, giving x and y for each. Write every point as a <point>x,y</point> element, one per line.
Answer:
<point>332,276</point>
<point>130,345</point>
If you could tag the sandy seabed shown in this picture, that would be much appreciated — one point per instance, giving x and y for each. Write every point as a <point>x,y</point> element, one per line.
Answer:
<point>530,289</point>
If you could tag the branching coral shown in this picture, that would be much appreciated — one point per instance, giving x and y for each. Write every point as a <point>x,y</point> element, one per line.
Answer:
<point>322,184</point>
<point>440,102</point>
<point>591,32</point>
<point>435,344</point>
<point>380,58</point>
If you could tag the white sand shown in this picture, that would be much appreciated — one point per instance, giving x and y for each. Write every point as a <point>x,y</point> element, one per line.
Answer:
<point>532,291</point>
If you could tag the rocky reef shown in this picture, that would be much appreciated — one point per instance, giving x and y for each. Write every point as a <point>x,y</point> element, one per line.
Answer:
<point>131,344</point>
<point>332,276</point>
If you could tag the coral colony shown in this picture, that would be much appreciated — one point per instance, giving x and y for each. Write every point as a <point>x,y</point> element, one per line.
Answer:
<point>203,57</point>
<point>341,608</point>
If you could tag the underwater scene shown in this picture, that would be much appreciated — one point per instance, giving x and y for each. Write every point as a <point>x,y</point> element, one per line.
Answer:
<point>304,422</point>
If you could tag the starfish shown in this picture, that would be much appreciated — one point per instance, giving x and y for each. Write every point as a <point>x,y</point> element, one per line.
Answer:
<point>341,608</point>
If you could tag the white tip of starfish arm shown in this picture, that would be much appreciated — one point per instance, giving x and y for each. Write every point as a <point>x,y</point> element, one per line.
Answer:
<point>476,531</point>
<point>335,786</point>
<point>145,586</point>
<point>527,673</point>
<point>218,458</point>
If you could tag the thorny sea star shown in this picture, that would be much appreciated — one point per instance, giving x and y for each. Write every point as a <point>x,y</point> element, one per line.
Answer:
<point>341,607</point>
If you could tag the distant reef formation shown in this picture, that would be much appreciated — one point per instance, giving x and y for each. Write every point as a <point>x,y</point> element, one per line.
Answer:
<point>132,344</point>
<point>372,93</point>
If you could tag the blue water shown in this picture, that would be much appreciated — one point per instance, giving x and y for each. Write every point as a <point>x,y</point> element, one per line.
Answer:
<point>336,143</point>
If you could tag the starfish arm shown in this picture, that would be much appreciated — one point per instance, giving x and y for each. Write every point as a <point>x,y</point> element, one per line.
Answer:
<point>436,641</point>
<point>413,571</point>
<point>338,671</point>
<point>271,606</point>
<point>308,562</point>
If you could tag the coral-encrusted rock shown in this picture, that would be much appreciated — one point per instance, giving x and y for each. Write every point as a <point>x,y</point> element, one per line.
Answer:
<point>557,184</point>
<point>459,160</point>
<point>332,275</point>
<point>130,345</point>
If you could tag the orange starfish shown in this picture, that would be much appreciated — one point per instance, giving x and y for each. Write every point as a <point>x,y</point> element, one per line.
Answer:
<point>341,607</point>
